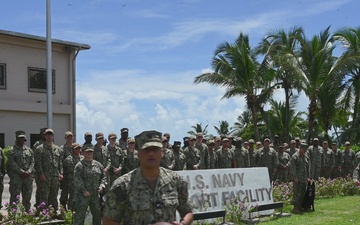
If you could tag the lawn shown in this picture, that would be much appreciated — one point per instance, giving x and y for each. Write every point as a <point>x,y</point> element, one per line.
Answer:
<point>338,210</point>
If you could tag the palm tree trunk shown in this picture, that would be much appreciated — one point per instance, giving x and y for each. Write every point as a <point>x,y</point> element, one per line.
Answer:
<point>287,113</point>
<point>312,112</point>
<point>354,115</point>
<point>252,107</point>
<point>266,121</point>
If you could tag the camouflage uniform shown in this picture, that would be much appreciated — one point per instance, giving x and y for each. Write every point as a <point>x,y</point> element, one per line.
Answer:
<point>252,157</point>
<point>48,163</point>
<point>356,173</point>
<point>329,163</point>
<point>2,174</point>
<point>204,155</point>
<point>21,160</point>
<point>65,151</point>
<point>131,201</point>
<point>102,155</point>
<point>357,158</point>
<point>88,176</point>
<point>117,161</point>
<point>168,160</point>
<point>86,146</point>
<point>268,158</point>
<point>226,157</point>
<point>131,161</point>
<point>180,161</point>
<point>291,151</point>
<point>192,157</point>
<point>316,157</point>
<point>241,156</point>
<point>348,163</point>
<point>123,144</point>
<point>69,166</point>
<point>282,171</point>
<point>336,172</point>
<point>300,169</point>
<point>214,160</point>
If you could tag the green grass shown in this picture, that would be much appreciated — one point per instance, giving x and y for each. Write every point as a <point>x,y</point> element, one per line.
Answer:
<point>339,211</point>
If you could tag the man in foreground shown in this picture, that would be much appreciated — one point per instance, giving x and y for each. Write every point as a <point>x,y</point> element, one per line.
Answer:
<point>150,193</point>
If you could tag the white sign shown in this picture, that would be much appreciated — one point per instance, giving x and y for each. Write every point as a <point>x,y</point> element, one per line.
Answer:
<point>213,189</point>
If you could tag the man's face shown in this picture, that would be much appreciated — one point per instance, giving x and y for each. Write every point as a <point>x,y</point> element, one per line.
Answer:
<point>217,143</point>
<point>100,141</point>
<point>76,151</point>
<point>315,143</point>
<point>49,137</point>
<point>124,135</point>
<point>226,144</point>
<point>334,146</point>
<point>211,147</point>
<point>325,145</point>
<point>150,157</point>
<point>266,144</point>
<point>199,139</point>
<point>192,142</point>
<point>69,139</point>
<point>167,137</point>
<point>293,145</point>
<point>112,140</point>
<point>131,145</point>
<point>165,143</point>
<point>88,155</point>
<point>20,141</point>
<point>88,138</point>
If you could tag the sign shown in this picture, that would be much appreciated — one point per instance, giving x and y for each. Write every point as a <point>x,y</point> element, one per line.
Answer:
<point>214,189</point>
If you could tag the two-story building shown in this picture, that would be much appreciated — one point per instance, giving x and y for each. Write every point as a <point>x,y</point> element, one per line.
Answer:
<point>23,98</point>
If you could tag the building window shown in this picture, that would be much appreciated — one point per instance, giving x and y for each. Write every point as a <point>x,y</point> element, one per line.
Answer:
<point>2,76</point>
<point>37,80</point>
<point>2,140</point>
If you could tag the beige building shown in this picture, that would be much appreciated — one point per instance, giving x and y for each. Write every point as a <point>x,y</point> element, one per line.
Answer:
<point>23,102</point>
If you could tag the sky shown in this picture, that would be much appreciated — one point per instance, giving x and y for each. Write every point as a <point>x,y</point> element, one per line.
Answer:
<point>145,54</point>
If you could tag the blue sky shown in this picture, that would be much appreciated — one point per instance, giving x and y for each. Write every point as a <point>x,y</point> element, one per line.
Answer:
<point>145,54</point>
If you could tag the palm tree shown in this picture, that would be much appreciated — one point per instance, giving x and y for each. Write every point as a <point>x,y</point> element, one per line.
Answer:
<point>223,129</point>
<point>236,69</point>
<point>278,116</point>
<point>277,46</point>
<point>317,69</point>
<point>243,122</point>
<point>198,129</point>
<point>349,38</point>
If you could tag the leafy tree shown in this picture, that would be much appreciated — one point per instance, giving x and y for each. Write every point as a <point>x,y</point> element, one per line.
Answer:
<point>236,69</point>
<point>198,129</point>
<point>223,129</point>
<point>277,46</point>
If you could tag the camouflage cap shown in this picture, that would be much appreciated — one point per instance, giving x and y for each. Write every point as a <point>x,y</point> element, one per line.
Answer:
<point>267,139</point>
<point>218,138</point>
<point>251,141</point>
<point>245,143</point>
<point>230,136</point>
<point>185,138</point>
<point>99,135</point>
<point>87,134</point>
<point>316,139</point>
<point>149,138</point>
<point>303,144</point>
<point>68,133</point>
<point>89,150</point>
<point>192,137</point>
<point>75,146</point>
<point>285,144</point>
<point>112,135</point>
<point>20,134</point>
<point>199,134</point>
<point>347,143</point>
<point>166,135</point>
<point>177,144</point>
<point>325,142</point>
<point>292,142</point>
<point>238,139</point>
<point>211,142</point>
<point>258,143</point>
<point>225,139</point>
<point>124,130</point>
<point>49,131</point>
<point>42,130</point>
<point>131,140</point>
<point>297,139</point>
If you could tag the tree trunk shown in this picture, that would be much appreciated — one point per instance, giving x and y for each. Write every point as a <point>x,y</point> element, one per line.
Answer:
<point>287,113</point>
<point>312,112</point>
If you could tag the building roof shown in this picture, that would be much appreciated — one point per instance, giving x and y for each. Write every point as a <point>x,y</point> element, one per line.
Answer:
<point>80,46</point>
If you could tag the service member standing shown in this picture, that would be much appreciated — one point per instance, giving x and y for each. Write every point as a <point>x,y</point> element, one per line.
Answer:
<point>336,172</point>
<point>267,157</point>
<point>89,181</point>
<point>117,156</point>
<point>241,155</point>
<point>20,169</point>
<point>69,166</point>
<point>48,169</point>
<point>131,160</point>
<point>192,154</point>
<point>316,157</point>
<point>329,161</point>
<point>299,173</point>
<point>168,159</point>
<point>150,193</point>
<point>225,155</point>
<point>348,164</point>
<point>65,151</point>
<point>180,158</point>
